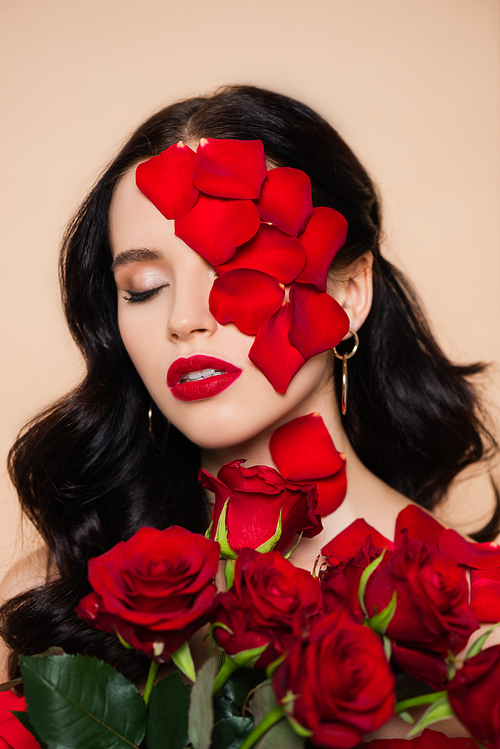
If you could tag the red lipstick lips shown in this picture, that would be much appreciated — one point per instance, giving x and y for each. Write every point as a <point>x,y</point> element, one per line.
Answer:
<point>200,377</point>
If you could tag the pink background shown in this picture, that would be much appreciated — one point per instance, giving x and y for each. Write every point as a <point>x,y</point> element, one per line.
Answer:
<point>413,86</point>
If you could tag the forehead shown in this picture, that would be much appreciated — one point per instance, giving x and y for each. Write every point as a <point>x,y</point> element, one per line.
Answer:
<point>133,219</point>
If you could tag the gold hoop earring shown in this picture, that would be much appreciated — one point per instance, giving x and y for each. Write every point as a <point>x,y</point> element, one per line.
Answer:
<point>150,422</point>
<point>344,358</point>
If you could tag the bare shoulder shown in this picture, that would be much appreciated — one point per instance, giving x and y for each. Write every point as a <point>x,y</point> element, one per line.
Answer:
<point>32,570</point>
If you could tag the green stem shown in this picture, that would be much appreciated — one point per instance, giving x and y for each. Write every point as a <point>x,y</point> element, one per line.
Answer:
<point>151,680</point>
<point>423,699</point>
<point>271,718</point>
<point>226,671</point>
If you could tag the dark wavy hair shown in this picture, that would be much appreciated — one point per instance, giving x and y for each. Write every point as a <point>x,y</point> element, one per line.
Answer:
<point>86,470</point>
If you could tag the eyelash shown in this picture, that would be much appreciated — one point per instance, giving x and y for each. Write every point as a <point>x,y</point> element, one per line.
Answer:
<point>141,296</point>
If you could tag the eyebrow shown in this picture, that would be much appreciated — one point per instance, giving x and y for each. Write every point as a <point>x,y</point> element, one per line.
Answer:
<point>135,255</point>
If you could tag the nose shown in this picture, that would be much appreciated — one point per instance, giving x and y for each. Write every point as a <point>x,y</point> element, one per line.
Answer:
<point>189,313</point>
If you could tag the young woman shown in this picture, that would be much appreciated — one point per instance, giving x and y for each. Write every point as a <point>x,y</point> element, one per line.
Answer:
<point>123,450</point>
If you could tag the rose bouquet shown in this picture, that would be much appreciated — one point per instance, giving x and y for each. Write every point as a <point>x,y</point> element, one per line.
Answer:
<point>293,659</point>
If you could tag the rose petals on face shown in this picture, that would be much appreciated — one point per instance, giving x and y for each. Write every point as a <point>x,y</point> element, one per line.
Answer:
<point>214,227</point>
<point>269,251</point>
<point>273,353</point>
<point>318,322</point>
<point>322,238</point>
<point>166,180</point>
<point>285,200</point>
<point>303,449</point>
<point>246,298</point>
<point>230,168</point>
<point>245,218</point>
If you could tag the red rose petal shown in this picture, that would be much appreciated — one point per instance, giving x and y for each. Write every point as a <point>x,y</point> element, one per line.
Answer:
<point>418,524</point>
<point>350,540</point>
<point>286,200</point>
<point>273,353</point>
<point>323,237</point>
<point>230,168</point>
<point>214,227</point>
<point>479,556</point>
<point>245,297</point>
<point>331,491</point>
<point>167,181</point>
<point>269,251</point>
<point>318,322</point>
<point>423,664</point>
<point>485,595</point>
<point>303,449</point>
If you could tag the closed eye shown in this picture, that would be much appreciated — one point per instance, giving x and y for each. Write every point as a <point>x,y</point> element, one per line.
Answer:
<point>141,296</point>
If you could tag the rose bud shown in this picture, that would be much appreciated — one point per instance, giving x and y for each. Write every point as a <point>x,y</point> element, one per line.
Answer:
<point>256,507</point>
<point>335,684</point>
<point>270,601</point>
<point>154,590</point>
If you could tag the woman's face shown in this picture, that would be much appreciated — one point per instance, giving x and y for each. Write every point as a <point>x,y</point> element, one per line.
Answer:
<point>164,319</point>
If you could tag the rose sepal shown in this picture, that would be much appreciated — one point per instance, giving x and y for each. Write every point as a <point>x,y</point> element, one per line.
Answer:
<point>184,661</point>
<point>248,658</point>
<point>221,535</point>
<point>287,704</point>
<point>273,541</point>
<point>367,573</point>
<point>438,710</point>
<point>379,622</point>
<point>478,644</point>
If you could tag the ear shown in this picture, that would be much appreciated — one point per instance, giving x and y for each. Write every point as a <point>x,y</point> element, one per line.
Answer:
<point>353,289</point>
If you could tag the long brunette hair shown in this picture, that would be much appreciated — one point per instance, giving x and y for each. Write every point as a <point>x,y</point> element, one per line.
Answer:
<point>86,470</point>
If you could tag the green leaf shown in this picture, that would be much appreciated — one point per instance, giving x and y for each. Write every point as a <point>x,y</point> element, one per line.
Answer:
<point>364,580</point>
<point>439,710</point>
<point>224,708</point>
<point>168,714</point>
<point>9,684</point>
<point>77,701</point>
<point>271,542</point>
<point>201,711</point>
<point>184,661</point>
<point>263,701</point>
<point>230,732</point>
<point>477,645</point>
<point>25,720</point>
<point>241,683</point>
<point>379,622</point>
<point>281,735</point>
<point>404,715</point>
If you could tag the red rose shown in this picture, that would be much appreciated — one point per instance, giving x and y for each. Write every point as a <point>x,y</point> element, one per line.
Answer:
<point>13,735</point>
<point>154,590</point>
<point>269,601</point>
<point>474,694</point>
<point>258,496</point>
<point>432,608</point>
<point>336,682</point>
<point>340,584</point>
